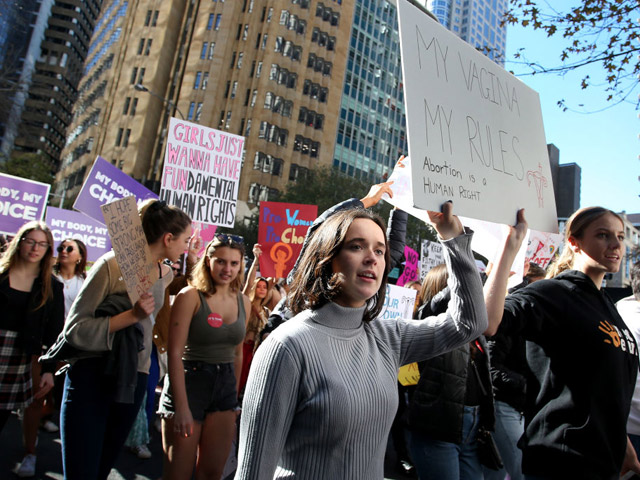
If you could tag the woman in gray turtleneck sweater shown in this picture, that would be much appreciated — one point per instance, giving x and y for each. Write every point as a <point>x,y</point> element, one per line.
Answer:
<point>321,393</point>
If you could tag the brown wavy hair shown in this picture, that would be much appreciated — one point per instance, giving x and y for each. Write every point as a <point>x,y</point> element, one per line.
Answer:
<point>11,255</point>
<point>201,278</point>
<point>575,227</point>
<point>314,283</point>
<point>80,270</point>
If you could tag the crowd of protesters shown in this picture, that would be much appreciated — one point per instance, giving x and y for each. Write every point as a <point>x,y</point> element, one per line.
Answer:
<point>534,382</point>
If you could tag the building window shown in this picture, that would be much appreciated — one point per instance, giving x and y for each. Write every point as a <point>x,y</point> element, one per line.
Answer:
<point>198,112</point>
<point>218,20</point>
<point>154,22</point>
<point>212,18</point>
<point>134,74</point>
<point>234,89</point>
<point>240,57</point>
<point>141,46</point>
<point>203,52</point>
<point>259,70</point>
<point>127,102</point>
<point>192,108</point>
<point>147,19</point>
<point>205,80</point>
<point>264,41</point>
<point>125,139</point>
<point>212,45</point>
<point>148,49</point>
<point>245,33</point>
<point>119,137</point>
<point>134,105</point>
<point>253,97</point>
<point>141,75</point>
<point>196,83</point>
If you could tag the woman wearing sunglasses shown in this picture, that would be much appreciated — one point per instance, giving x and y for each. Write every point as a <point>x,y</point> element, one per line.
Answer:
<point>70,269</point>
<point>32,308</point>
<point>200,393</point>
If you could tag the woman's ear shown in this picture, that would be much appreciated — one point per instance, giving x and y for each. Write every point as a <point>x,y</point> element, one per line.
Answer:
<point>166,239</point>
<point>574,244</point>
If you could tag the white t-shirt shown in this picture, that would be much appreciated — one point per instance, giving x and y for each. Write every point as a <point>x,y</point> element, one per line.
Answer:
<point>71,289</point>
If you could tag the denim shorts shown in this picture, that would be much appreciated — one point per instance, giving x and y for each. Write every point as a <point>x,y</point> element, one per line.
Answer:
<point>211,387</point>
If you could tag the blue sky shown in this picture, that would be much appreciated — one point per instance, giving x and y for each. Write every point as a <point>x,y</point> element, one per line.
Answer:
<point>605,145</point>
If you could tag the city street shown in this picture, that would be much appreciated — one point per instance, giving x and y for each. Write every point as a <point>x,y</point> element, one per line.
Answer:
<point>128,467</point>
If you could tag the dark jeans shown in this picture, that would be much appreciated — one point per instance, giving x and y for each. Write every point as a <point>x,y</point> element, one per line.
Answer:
<point>93,427</point>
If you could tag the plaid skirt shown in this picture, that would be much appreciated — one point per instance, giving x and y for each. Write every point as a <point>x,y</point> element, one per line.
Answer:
<point>15,373</point>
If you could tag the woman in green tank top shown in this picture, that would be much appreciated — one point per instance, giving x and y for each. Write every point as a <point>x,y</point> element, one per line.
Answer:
<point>200,395</point>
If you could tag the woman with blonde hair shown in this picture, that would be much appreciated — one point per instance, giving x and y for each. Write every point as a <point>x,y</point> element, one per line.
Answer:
<point>33,313</point>
<point>200,393</point>
<point>582,357</point>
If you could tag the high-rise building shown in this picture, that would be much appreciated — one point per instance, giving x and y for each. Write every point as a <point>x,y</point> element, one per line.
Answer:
<point>43,46</point>
<point>371,129</point>
<point>475,21</point>
<point>271,71</point>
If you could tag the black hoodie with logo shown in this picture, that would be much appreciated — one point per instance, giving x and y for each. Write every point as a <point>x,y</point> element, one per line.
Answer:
<point>583,362</point>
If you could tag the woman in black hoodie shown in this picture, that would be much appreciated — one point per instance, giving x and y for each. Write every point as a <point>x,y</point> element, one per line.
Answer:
<point>583,358</point>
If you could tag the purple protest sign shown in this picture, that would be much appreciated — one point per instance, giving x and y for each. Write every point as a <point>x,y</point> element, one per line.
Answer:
<point>70,224</point>
<point>105,184</point>
<point>21,201</point>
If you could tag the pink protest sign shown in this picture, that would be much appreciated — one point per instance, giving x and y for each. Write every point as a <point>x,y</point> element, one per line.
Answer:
<point>411,268</point>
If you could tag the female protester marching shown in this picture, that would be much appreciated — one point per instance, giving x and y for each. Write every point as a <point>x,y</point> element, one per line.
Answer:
<point>70,269</point>
<point>107,380</point>
<point>33,313</point>
<point>452,400</point>
<point>200,394</point>
<point>583,358</point>
<point>259,313</point>
<point>321,394</point>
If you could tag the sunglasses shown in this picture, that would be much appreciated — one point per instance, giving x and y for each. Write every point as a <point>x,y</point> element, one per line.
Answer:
<point>229,239</point>
<point>67,249</point>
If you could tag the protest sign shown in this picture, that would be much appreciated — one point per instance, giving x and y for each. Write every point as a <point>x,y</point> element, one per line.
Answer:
<point>130,246</point>
<point>281,231</point>
<point>398,302</point>
<point>71,224</point>
<point>21,201</point>
<point>488,238</point>
<point>411,267</point>
<point>104,184</point>
<point>543,247</point>
<point>430,256</point>
<point>475,131</point>
<point>201,172</point>
<point>409,374</point>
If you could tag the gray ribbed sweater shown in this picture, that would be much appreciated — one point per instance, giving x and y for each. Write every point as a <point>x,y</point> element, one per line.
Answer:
<point>322,390</point>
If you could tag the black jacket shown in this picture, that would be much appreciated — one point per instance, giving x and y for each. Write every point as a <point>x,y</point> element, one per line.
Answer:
<point>509,368</point>
<point>583,362</point>
<point>41,326</point>
<point>436,407</point>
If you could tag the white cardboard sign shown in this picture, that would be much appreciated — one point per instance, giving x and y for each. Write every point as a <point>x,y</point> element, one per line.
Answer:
<point>130,246</point>
<point>201,172</point>
<point>475,131</point>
